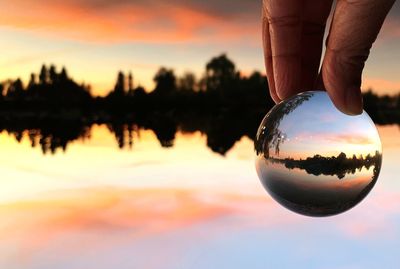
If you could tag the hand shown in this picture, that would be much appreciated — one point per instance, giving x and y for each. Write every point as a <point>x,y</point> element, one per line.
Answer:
<point>293,32</point>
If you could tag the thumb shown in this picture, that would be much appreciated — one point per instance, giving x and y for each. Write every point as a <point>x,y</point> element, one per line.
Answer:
<point>355,26</point>
<point>341,75</point>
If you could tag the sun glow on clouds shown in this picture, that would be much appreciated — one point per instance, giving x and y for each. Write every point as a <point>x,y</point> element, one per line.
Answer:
<point>94,38</point>
<point>123,21</point>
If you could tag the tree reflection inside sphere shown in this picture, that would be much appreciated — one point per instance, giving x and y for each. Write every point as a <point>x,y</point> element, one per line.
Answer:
<point>315,160</point>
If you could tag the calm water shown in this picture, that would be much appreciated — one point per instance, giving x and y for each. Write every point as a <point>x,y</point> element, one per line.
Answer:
<point>97,206</point>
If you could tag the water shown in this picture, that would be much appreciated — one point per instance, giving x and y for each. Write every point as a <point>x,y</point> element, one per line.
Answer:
<point>98,206</point>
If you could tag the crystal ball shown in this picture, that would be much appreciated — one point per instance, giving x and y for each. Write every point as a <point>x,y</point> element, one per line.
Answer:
<point>314,159</point>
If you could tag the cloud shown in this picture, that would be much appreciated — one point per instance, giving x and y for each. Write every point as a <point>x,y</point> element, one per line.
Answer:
<point>355,139</point>
<point>148,20</point>
<point>138,20</point>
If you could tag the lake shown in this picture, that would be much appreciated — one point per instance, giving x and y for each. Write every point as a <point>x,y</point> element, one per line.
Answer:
<point>146,206</point>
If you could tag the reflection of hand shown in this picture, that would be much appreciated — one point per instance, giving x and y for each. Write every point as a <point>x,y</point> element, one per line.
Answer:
<point>293,32</point>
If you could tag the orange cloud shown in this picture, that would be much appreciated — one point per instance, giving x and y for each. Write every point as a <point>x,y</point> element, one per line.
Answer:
<point>125,21</point>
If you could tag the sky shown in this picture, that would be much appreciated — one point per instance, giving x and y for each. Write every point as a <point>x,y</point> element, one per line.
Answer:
<point>96,38</point>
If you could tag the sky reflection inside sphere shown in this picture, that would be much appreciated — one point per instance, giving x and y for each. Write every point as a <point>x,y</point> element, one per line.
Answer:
<point>315,160</point>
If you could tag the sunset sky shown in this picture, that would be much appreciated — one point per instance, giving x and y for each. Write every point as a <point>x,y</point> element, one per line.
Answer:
<point>96,38</point>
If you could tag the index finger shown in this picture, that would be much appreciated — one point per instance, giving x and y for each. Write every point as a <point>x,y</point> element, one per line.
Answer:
<point>296,29</point>
<point>285,33</point>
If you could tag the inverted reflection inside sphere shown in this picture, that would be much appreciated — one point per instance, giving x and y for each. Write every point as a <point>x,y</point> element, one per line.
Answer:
<point>315,160</point>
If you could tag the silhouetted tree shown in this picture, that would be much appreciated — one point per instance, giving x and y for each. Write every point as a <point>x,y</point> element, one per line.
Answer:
<point>63,77</point>
<point>43,75</point>
<point>120,84</point>
<point>53,74</point>
<point>32,81</point>
<point>139,92</point>
<point>165,81</point>
<point>130,82</point>
<point>220,73</point>
<point>15,89</point>
<point>187,82</point>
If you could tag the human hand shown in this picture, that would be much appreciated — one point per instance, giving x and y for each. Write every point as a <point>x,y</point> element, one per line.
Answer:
<point>293,32</point>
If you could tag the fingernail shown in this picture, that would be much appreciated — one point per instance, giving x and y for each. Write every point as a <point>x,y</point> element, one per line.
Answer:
<point>354,103</point>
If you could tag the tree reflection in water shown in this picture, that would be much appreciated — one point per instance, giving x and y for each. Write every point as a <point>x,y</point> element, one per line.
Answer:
<point>222,129</point>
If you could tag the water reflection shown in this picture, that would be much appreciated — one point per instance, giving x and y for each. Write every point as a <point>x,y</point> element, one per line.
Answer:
<point>339,166</point>
<point>315,160</point>
<point>47,134</point>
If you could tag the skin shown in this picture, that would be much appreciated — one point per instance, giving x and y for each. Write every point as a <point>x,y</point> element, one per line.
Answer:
<point>293,33</point>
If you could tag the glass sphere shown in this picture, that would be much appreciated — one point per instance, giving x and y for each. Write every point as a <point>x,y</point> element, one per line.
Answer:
<point>315,160</point>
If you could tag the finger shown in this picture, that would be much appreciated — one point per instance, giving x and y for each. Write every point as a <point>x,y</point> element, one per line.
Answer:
<point>355,26</point>
<point>285,35</point>
<point>268,57</point>
<point>314,19</point>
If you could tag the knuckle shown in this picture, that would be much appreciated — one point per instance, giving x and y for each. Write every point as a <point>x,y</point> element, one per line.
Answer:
<point>350,57</point>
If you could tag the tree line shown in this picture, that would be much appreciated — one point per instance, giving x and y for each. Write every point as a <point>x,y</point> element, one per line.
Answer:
<point>223,104</point>
<point>221,87</point>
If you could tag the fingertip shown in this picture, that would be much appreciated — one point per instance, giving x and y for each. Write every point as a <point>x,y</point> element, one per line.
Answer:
<point>283,95</point>
<point>275,97</point>
<point>348,101</point>
<point>354,102</point>
<point>342,81</point>
<point>287,76</point>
